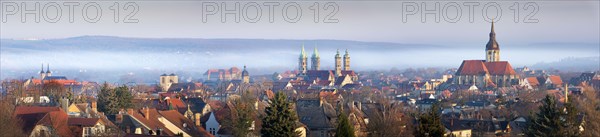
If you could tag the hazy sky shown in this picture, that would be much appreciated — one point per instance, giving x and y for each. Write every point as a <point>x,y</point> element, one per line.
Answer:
<point>461,23</point>
<point>557,21</point>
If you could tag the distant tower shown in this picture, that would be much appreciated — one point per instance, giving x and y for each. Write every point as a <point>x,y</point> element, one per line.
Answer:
<point>245,76</point>
<point>346,61</point>
<point>42,73</point>
<point>48,72</point>
<point>302,63</point>
<point>492,49</point>
<point>338,64</point>
<point>315,60</point>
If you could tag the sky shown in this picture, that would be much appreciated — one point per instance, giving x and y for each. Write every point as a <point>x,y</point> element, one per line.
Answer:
<point>460,24</point>
<point>381,21</point>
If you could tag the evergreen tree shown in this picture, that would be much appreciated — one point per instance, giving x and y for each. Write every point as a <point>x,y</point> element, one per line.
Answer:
<point>571,127</point>
<point>552,120</point>
<point>344,129</point>
<point>242,117</point>
<point>124,96</point>
<point>430,123</point>
<point>280,119</point>
<point>107,100</point>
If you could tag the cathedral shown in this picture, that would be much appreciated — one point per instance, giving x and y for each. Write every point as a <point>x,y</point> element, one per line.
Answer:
<point>488,73</point>
<point>341,76</point>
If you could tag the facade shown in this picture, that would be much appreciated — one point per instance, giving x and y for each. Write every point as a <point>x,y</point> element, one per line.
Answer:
<point>315,78</point>
<point>302,61</point>
<point>489,73</point>
<point>245,76</point>
<point>167,80</point>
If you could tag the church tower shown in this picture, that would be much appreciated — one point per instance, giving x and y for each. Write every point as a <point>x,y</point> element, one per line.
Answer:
<point>315,60</point>
<point>492,49</point>
<point>346,61</point>
<point>338,64</point>
<point>42,73</point>
<point>245,76</point>
<point>302,61</point>
<point>48,72</point>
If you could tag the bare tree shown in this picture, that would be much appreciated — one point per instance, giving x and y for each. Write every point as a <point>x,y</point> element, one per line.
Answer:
<point>11,126</point>
<point>589,104</point>
<point>389,120</point>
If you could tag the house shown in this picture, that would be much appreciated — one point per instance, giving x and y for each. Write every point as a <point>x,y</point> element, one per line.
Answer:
<point>530,83</point>
<point>553,82</point>
<point>456,128</point>
<point>318,115</point>
<point>178,124</point>
<point>85,127</point>
<point>43,121</point>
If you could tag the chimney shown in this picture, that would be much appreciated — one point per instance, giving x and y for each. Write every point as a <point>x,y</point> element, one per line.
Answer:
<point>197,115</point>
<point>130,111</point>
<point>147,113</point>
<point>452,122</point>
<point>94,106</point>
<point>65,104</point>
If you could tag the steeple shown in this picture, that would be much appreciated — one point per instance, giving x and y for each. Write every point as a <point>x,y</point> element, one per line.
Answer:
<point>42,69</point>
<point>492,44</point>
<point>338,64</point>
<point>302,61</point>
<point>347,60</point>
<point>315,53</point>
<point>492,49</point>
<point>302,53</point>
<point>315,60</point>
<point>48,68</point>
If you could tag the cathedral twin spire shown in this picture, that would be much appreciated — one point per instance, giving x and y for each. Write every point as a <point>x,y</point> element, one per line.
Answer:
<point>316,61</point>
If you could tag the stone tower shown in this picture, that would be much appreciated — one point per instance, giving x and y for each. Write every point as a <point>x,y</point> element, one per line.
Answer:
<point>338,64</point>
<point>245,76</point>
<point>315,60</point>
<point>302,61</point>
<point>492,49</point>
<point>346,61</point>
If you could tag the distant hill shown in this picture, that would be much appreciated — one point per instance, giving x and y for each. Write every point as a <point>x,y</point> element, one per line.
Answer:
<point>572,64</point>
<point>107,43</point>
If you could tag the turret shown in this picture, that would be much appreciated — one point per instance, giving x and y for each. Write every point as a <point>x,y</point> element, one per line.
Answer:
<point>346,61</point>
<point>302,61</point>
<point>315,60</point>
<point>338,64</point>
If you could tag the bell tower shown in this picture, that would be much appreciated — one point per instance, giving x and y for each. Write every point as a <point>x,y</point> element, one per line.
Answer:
<point>302,61</point>
<point>338,64</point>
<point>492,49</point>
<point>346,61</point>
<point>315,60</point>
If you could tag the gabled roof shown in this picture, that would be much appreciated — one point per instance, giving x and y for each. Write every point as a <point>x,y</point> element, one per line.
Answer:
<point>480,67</point>
<point>556,80</point>
<point>178,120</point>
<point>58,121</point>
<point>85,122</point>
<point>472,67</point>
<point>499,68</point>
<point>533,81</point>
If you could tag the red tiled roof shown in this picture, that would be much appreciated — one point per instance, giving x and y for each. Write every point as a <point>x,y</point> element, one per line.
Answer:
<point>86,122</point>
<point>472,67</point>
<point>152,122</point>
<point>555,80</point>
<point>533,81</point>
<point>19,110</point>
<point>499,68</point>
<point>480,67</point>
<point>58,121</point>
